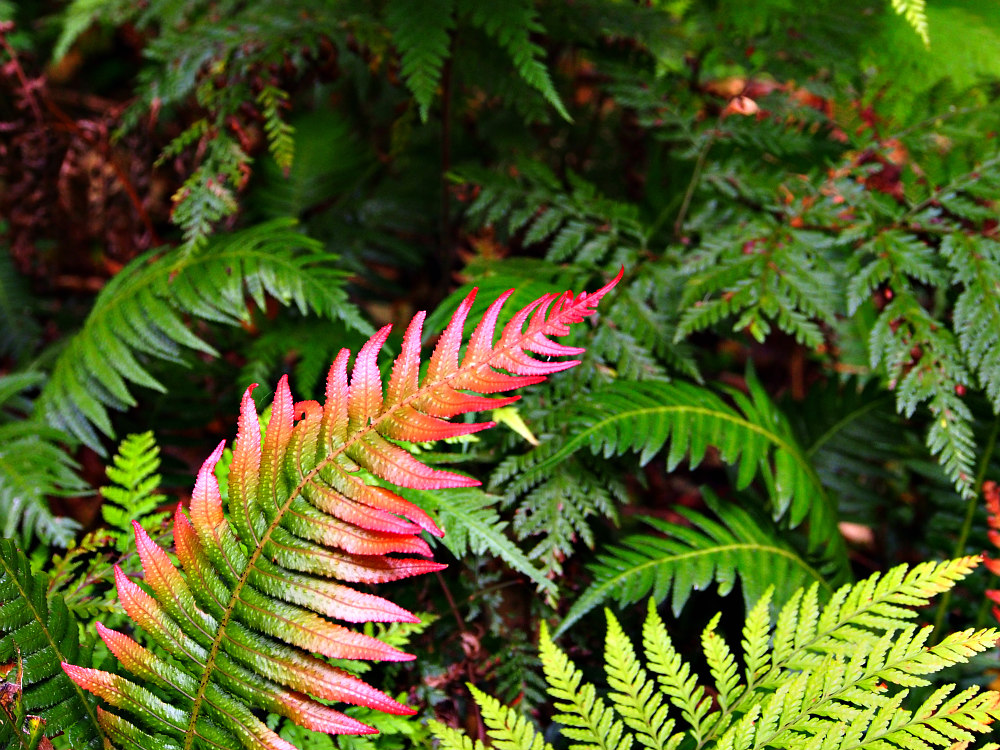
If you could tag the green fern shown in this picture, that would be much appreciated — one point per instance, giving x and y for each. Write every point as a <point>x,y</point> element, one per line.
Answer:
<point>915,13</point>
<point>753,436</point>
<point>33,466</point>
<point>680,559</point>
<point>139,315</point>
<point>815,677</point>
<point>472,525</point>
<point>133,496</point>
<point>511,25</point>
<point>38,633</point>
<point>280,135</point>
<point>422,33</point>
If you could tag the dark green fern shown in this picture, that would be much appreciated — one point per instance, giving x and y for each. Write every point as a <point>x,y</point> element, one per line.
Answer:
<point>140,315</point>
<point>38,634</point>
<point>678,559</point>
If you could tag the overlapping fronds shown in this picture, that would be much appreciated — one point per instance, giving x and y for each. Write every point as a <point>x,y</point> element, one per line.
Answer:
<point>33,467</point>
<point>140,314</point>
<point>831,677</point>
<point>37,633</point>
<point>753,435</point>
<point>671,560</point>
<point>307,503</point>
<point>471,523</point>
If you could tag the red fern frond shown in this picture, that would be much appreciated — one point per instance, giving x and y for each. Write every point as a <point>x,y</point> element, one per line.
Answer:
<point>254,599</point>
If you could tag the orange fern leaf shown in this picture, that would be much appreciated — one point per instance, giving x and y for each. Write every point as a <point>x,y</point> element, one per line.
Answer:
<point>249,612</point>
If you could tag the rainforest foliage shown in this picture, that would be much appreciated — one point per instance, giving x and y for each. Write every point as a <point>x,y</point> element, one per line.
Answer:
<point>758,439</point>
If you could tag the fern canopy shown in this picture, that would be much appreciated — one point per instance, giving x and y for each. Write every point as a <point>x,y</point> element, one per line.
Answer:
<point>831,676</point>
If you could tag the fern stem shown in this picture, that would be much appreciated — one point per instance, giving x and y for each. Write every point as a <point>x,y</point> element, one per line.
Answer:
<point>699,166</point>
<point>970,513</point>
<point>840,423</point>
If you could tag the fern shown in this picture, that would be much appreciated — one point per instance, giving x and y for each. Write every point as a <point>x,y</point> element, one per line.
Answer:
<point>472,524</point>
<point>33,466</point>
<point>511,24</point>
<point>139,314</point>
<point>680,559</point>
<point>133,495</point>
<point>830,677</point>
<point>422,33</point>
<point>37,633</point>
<point>242,621</point>
<point>643,417</point>
<point>915,13</point>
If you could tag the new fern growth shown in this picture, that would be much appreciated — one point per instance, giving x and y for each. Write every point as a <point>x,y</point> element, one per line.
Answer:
<point>250,607</point>
<point>826,677</point>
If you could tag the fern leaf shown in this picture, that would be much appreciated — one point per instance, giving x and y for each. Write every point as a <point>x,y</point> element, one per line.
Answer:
<point>680,559</point>
<point>139,314</point>
<point>472,524</point>
<point>511,24</point>
<point>280,135</point>
<point>643,417</point>
<point>508,729</point>
<point>133,495</point>
<point>33,466</point>
<point>915,13</point>
<point>254,601</point>
<point>422,34</point>
<point>38,633</point>
<point>634,695</point>
<point>677,680</point>
<point>585,717</point>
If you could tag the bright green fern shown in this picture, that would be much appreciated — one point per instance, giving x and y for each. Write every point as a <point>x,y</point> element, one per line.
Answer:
<point>133,495</point>
<point>836,676</point>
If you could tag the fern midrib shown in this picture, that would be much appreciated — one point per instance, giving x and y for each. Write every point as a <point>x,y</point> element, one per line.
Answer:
<point>774,438</point>
<point>55,646</point>
<point>367,429</point>
<point>718,549</point>
<point>837,426</point>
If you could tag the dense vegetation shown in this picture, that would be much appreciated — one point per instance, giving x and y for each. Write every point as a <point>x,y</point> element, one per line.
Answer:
<point>792,392</point>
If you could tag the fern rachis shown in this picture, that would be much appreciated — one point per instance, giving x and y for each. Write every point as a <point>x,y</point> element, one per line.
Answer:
<point>250,609</point>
